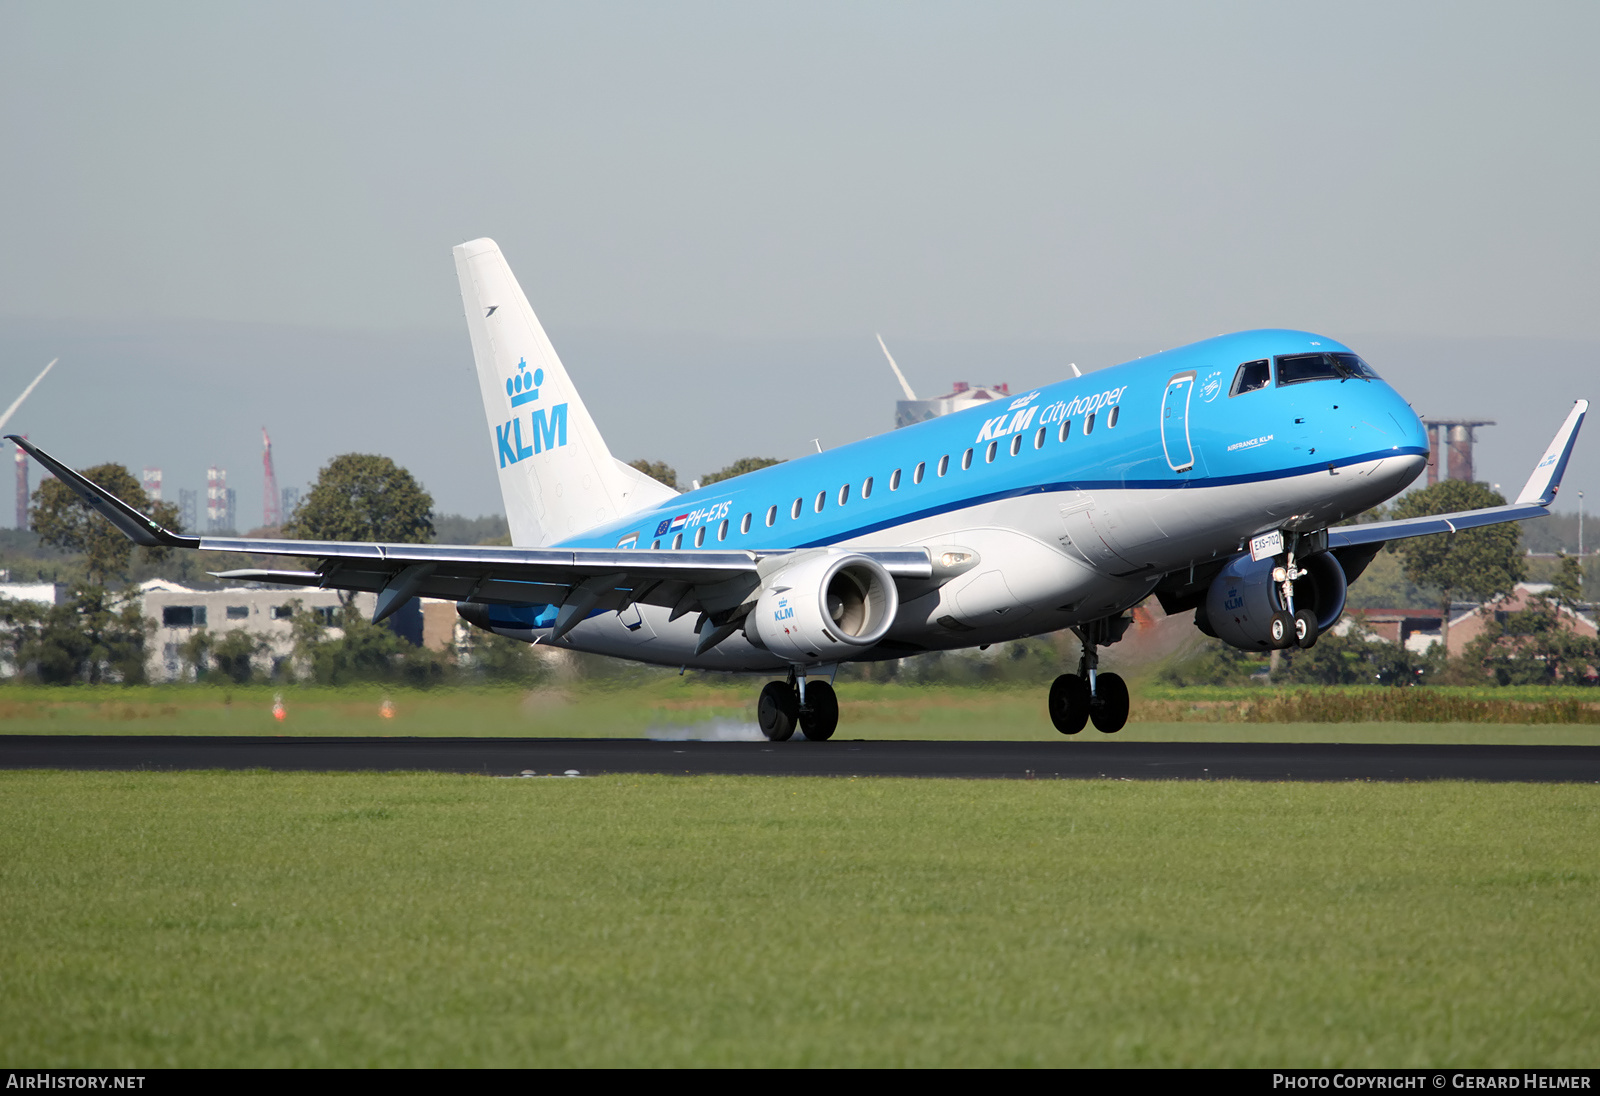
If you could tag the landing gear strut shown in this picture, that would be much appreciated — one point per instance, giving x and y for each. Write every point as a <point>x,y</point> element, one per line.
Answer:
<point>1089,695</point>
<point>784,705</point>
<point>1293,627</point>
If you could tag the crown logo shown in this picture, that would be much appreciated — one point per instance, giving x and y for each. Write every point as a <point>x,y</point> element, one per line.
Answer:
<point>524,387</point>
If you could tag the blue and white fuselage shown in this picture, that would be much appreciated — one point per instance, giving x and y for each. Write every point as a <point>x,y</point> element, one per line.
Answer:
<point>1072,501</point>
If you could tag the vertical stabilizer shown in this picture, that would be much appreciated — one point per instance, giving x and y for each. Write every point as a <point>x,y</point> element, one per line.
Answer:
<point>556,475</point>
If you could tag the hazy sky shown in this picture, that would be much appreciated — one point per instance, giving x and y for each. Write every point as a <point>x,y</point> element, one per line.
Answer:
<point>737,195</point>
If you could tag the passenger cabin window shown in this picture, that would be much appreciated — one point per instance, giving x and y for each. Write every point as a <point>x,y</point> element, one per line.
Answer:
<point>1111,417</point>
<point>1088,426</point>
<point>1251,376</point>
<point>866,488</point>
<point>1016,444</point>
<point>844,494</point>
<point>700,536</point>
<point>794,511</point>
<point>1299,368</point>
<point>1066,429</point>
<point>677,541</point>
<point>966,460</point>
<point>744,524</point>
<point>655,544</point>
<point>722,530</point>
<point>988,454</point>
<point>916,473</point>
<point>944,464</point>
<point>822,499</point>
<point>1038,439</point>
<point>772,515</point>
<point>894,480</point>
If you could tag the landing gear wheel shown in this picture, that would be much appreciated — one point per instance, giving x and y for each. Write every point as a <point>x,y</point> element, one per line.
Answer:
<point>1069,703</point>
<point>1305,629</point>
<point>821,714</point>
<point>1280,631</point>
<point>778,710</point>
<point>1110,708</point>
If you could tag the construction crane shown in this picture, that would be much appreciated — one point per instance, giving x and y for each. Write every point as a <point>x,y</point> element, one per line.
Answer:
<point>271,504</point>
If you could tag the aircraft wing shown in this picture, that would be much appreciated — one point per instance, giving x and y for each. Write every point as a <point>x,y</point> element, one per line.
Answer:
<point>1533,502</point>
<point>581,580</point>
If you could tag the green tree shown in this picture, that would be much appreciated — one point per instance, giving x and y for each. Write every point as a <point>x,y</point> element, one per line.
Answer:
<point>64,520</point>
<point>91,638</point>
<point>657,470</point>
<point>362,496</point>
<point>1481,564</point>
<point>1567,585</point>
<point>235,653</point>
<point>739,468</point>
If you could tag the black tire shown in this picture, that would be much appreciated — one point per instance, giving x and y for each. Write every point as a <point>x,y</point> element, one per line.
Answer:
<point>1069,703</point>
<point>1305,629</point>
<point>1110,708</point>
<point>778,711</point>
<point>820,716</point>
<point>1280,631</point>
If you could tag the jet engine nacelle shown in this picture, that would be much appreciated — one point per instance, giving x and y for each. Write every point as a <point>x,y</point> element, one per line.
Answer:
<point>1240,603</point>
<point>824,608</point>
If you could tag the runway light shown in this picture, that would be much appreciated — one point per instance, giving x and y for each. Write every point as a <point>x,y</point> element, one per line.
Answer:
<point>278,711</point>
<point>386,709</point>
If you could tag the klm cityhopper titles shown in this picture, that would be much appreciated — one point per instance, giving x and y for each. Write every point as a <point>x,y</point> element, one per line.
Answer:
<point>1210,476</point>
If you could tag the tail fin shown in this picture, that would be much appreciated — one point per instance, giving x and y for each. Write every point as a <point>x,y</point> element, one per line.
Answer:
<point>556,475</point>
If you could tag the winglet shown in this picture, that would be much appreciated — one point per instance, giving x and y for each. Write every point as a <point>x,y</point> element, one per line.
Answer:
<point>1542,486</point>
<point>134,525</point>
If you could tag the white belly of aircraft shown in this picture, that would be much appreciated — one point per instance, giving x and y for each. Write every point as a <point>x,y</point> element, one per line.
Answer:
<point>1043,562</point>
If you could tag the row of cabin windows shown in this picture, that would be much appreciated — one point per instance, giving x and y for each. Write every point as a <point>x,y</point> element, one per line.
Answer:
<point>1063,432</point>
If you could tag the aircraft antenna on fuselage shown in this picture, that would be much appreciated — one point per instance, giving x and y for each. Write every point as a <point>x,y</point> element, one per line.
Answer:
<point>1076,372</point>
<point>901,377</point>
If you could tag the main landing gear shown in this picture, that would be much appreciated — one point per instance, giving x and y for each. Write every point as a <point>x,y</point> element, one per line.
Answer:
<point>811,706</point>
<point>1076,699</point>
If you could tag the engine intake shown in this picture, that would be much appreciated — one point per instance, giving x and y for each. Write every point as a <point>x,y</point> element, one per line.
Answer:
<point>824,608</point>
<point>1242,598</point>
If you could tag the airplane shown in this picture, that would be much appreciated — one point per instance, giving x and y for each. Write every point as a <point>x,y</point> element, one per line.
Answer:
<point>1211,476</point>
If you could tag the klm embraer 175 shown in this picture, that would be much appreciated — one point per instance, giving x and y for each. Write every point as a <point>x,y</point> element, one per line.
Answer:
<point>1210,476</point>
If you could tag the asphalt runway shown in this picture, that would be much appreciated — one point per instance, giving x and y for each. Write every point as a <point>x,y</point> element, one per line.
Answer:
<point>1069,759</point>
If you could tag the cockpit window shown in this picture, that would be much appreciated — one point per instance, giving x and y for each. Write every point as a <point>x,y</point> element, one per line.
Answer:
<point>1251,376</point>
<point>1295,368</point>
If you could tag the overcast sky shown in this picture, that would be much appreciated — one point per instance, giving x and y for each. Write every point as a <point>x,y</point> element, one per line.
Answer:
<point>221,215</point>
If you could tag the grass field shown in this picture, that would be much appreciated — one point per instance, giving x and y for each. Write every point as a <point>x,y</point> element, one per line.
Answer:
<point>274,919</point>
<point>668,706</point>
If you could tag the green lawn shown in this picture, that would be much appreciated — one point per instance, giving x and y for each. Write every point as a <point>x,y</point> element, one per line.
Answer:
<point>672,706</point>
<point>214,919</point>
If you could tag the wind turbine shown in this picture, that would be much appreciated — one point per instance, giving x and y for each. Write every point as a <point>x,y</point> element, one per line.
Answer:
<point>26,392</point>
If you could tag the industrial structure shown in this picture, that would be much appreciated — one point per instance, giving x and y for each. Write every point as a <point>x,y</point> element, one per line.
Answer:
<point>222,502</point>
<point>960,397</point>
<point>271,502</point>
<point>22,488</point>
<point>1452,440</point>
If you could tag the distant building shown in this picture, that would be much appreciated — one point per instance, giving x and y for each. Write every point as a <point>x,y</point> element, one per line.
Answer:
<point>189,510</point>
<point>960,397</point>
<point>178,613</point>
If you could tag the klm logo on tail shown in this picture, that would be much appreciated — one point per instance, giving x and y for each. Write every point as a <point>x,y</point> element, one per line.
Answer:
<point>545,431</point>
